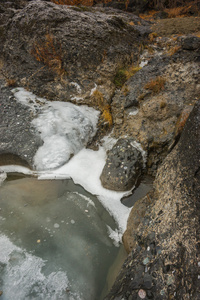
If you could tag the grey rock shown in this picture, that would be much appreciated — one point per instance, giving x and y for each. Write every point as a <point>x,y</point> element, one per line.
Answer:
<point>190,42</point>
<point>176,191</point>
<point>19,140</point>
<point>123,166</point>
<point>53,48</point>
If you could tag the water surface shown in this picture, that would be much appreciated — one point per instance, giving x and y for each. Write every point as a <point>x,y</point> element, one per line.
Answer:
<point>54,241</point>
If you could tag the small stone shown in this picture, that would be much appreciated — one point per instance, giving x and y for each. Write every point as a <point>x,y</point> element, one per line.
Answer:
<point>170,280</point>
<point>142,294</point>
<point>38,241</point>
<point>146,261</point>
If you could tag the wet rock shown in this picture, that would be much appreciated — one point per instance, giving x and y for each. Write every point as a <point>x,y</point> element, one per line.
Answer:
<point>123,166</point>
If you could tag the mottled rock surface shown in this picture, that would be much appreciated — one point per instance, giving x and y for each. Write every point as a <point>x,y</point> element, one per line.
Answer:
<point>149,114</point>
<point>123,166</point>
<point>64,52</point>
<point>164,262</point>
<point>19,140</point>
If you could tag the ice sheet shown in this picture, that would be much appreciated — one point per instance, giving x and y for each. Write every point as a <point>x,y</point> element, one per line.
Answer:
<point>22,276</point>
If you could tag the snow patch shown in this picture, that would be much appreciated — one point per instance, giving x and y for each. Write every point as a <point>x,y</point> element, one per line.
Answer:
<point>65,130</point>
<point>77,86</point>
<point>115,235</point>
<point>93,90</point>
<point>139,148</point>
<point>28,99</point>
<point>134,112</point>
<point>85,169</point>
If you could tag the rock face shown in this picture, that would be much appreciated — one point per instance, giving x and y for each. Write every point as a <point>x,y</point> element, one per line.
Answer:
<point>19,140</point>
<point>123,166</point>
<point>150,103</point>
<point>165,256</point>
<point>64,52</point>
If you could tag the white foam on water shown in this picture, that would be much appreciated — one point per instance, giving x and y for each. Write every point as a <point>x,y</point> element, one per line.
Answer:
<point>22,276</point>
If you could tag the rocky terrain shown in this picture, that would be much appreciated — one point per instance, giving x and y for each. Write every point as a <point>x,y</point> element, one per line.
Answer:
<point>163,228</point>
<point>144,78</point>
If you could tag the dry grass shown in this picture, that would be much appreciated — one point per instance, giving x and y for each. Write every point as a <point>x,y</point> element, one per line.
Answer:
<point>10,82</point>
<point>181,122</point>
<point>148,17</point>
<point>73,2</point>
<point>181,11</point>
<point>156,85</point>
<point>102,104</point>
<point>152,36</point>
<point>173,50</point>
<point>49,52</point>
<point>175,12</point>
<point>124,74</point>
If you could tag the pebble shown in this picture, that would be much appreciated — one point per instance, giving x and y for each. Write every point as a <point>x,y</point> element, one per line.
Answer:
<point>146,261</point>
<point>142,294</point>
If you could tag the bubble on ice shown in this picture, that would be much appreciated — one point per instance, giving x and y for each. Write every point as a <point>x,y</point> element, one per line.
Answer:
<point>56,225</point>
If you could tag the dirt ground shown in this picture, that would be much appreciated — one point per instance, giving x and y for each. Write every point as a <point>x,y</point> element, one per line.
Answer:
<point>179,26</point>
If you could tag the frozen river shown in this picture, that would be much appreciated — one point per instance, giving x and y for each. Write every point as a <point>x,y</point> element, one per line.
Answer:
<point>54,241</point>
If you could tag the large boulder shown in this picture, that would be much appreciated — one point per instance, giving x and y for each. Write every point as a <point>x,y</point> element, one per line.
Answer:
<point>65,52</point>
<point>123,166</point>
<point>164,248</point>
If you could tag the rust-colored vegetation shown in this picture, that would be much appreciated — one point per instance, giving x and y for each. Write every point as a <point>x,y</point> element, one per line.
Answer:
<point>124,74</point>
<point>181,122</point>
<point>11,82</point>
<point>101,103</point>
<point>49,52</point>
<point>156,85</point>
<point>173,50</point>
<point>181,11</point>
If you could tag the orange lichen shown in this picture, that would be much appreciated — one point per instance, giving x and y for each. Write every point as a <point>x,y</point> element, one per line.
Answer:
<point>156,85</point>
<point>49,52</point>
